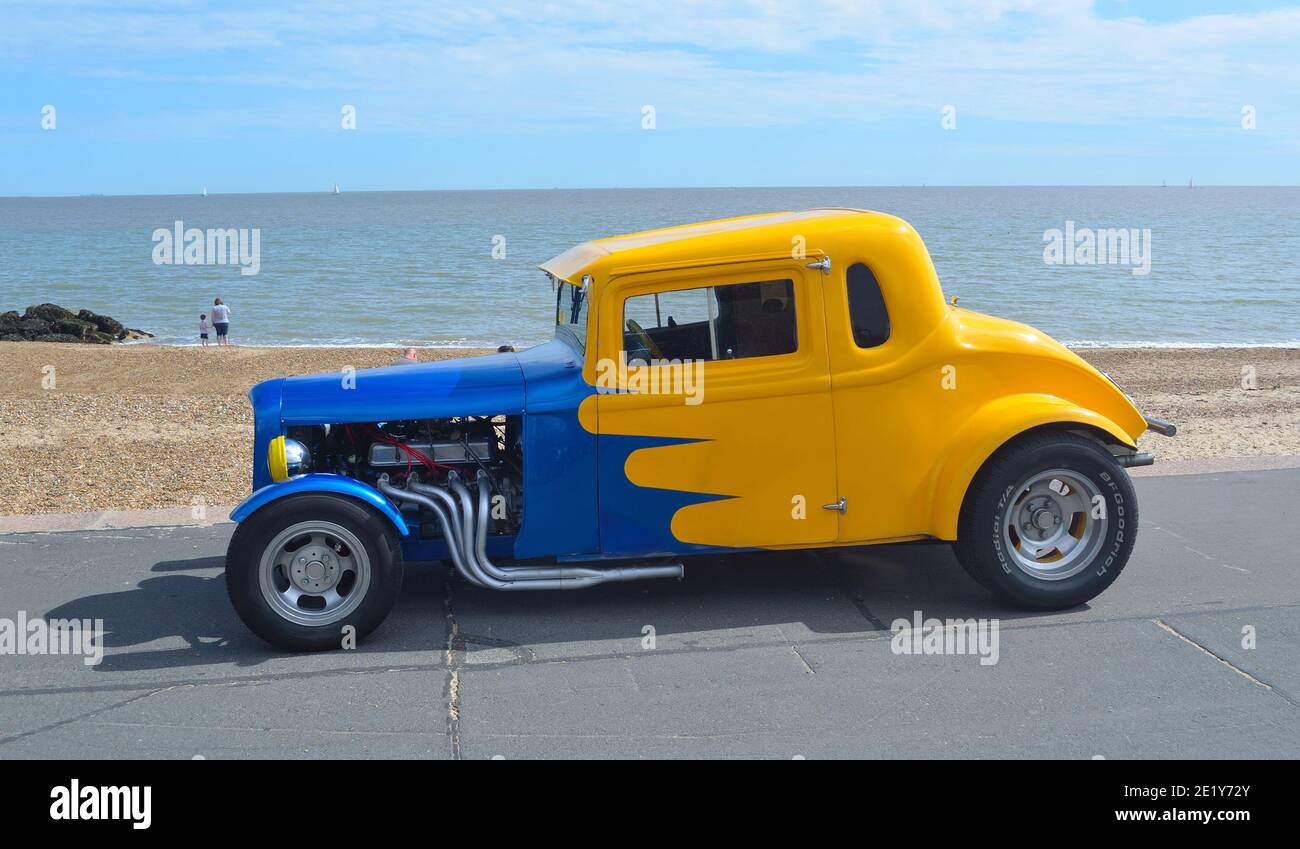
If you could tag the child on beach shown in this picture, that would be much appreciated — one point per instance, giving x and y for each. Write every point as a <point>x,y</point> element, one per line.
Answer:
<point>204,327</point>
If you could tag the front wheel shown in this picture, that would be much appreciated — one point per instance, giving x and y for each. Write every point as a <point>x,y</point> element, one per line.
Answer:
<point>311,571</point>
<point>1049,522</point>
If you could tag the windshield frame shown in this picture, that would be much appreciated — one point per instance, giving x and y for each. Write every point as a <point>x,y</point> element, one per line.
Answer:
<point>575,332</point>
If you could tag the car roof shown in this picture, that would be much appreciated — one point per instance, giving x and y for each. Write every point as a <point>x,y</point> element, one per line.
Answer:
<point>725,239</point>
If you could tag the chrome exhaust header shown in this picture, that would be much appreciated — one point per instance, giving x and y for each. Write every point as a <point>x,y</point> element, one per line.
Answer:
<point>464,526</point>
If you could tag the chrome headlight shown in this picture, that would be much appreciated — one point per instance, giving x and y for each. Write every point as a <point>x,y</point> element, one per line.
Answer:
<point>297,459</point>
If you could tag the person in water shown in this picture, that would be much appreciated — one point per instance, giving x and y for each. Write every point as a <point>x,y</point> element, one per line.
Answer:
<point>221,321</point>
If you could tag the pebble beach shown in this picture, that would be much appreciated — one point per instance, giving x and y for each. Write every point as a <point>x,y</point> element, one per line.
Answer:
<point>148,426</point>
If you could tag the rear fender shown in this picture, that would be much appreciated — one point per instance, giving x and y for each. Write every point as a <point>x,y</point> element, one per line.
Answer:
<point>994,425</point>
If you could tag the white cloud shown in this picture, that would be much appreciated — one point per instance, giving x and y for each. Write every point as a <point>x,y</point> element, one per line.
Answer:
<point>590,65</point>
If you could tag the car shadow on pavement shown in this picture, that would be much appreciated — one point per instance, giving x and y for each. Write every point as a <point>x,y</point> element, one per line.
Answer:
<point>831,592</point>
<point>191,607</point>
<point>731,598</point>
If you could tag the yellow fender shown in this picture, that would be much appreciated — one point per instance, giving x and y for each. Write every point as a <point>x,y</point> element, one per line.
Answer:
<point>994,425</point>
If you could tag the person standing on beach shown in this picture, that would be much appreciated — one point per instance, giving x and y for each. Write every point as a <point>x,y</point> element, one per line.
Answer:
<point>204,327</point>
<point>221,321</point>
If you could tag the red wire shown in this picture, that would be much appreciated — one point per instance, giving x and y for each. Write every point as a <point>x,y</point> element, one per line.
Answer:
<point>410,452</point>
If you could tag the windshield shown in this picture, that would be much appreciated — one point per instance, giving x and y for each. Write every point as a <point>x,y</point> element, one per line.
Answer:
<point>571,312</point>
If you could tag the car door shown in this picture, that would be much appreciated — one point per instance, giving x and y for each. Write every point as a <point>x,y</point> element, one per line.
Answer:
<point>714,410</point>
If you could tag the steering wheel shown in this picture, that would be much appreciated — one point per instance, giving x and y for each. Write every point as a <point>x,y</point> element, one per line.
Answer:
<point>646,342</point>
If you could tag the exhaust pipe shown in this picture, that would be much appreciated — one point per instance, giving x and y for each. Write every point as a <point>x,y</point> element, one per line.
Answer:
<point>580,576</point>
<point>448,522</point>
<point>1140,458</point>
<point>1160,426</point>
<point>465,529</point>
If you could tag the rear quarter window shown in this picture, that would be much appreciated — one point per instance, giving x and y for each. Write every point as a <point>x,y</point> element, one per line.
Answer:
<point>867,313</point>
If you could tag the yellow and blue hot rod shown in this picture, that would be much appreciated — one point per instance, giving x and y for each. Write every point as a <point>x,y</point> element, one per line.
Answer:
<point>783,381</point>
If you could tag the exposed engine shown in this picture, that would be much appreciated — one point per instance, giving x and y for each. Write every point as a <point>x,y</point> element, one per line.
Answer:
<point>427,452</point>
<point>463,478</point>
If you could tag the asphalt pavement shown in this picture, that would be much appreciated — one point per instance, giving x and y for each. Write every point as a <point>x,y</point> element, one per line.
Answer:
<point>1192,653</point>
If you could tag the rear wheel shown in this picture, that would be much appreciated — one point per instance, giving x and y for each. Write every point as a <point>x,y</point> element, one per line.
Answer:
<point>307,572</point>
<point>1049,522</point>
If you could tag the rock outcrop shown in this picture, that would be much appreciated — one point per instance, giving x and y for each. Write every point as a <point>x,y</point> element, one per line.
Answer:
<point>53,323</point>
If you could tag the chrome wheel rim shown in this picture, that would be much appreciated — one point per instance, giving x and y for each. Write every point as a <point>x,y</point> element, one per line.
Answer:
<point>1050,529</point>
<point>314,573</point>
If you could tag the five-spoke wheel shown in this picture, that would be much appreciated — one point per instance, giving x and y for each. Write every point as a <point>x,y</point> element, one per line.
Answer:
<point>314,572</point>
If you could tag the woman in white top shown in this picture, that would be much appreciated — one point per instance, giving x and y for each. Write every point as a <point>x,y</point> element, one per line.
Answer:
<point>221,321</point>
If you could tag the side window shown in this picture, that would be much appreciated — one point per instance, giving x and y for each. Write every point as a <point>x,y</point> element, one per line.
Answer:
<point>867,311</point>
<point>728,322</point>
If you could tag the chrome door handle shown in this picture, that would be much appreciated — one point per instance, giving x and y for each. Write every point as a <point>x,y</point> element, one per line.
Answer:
<point>841,505</point>
<point>824,264</point>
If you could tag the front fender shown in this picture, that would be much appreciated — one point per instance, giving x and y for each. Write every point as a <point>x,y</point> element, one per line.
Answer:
<point>995,424</point>
<point>336,484</point>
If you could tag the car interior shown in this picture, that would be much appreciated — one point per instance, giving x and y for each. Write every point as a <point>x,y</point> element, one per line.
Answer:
<point>726,322</point>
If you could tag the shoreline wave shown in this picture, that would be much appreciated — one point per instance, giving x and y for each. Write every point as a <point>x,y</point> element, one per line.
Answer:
<point>1082,344</point>
<point>1090,344</point>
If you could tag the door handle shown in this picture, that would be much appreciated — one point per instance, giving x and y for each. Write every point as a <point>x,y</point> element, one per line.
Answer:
<point>824,264</point>
<point>840,506</point>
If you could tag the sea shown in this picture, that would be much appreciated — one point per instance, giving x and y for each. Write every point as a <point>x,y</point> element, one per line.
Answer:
<point>1204,266</point>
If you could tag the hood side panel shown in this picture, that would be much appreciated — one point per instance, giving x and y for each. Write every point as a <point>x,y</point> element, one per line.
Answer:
<point>561,505</point>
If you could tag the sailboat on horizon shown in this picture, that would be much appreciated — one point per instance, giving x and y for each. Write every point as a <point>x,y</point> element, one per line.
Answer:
<point>336,189</point>
<point>205,191</point>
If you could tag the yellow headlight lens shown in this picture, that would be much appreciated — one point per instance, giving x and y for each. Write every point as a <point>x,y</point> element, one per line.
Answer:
<point>275,460</point>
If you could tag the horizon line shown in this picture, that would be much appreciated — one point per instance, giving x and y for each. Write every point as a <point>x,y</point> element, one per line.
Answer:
<point>675,188</point>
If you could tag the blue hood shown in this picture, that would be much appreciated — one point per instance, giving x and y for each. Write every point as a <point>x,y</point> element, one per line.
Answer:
<point>473,386</point>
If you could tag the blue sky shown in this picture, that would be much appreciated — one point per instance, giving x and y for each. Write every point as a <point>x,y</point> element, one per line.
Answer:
<point>159,98</point>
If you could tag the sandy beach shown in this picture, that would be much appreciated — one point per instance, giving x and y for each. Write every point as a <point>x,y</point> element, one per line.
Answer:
<point>149,426</point>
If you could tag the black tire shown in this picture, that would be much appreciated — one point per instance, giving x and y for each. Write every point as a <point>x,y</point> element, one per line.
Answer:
<point>257,532</point>
<point>982,544</point>
<point>976,576</point>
